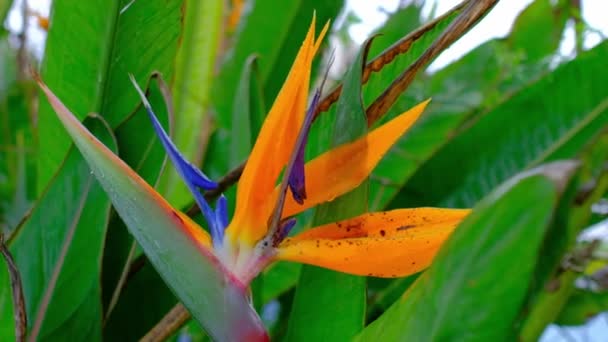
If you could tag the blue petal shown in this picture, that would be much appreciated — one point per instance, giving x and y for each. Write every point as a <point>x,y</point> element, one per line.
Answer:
<point>189,172</point>
<point>194,178</point>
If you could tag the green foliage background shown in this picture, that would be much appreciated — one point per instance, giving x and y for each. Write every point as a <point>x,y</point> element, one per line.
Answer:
<point>503,120</point>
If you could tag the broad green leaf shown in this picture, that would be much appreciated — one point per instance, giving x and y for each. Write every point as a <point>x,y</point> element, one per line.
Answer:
<point>436,125</point>
<point>517,134</point>
<point>573,141</point>
<point>141,149</point>
<point>248,112</point>
<point>194,67</point>
<point>330,305</point>
<point>460,92</point>
<point>58,251</point>
<point>170,242</point>
<point>555,281</point>
<point>90,49</point>
<point>459,296</point>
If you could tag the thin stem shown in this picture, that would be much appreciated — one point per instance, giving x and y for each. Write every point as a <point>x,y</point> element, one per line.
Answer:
<point>172,321</point>
<point>17,289</point>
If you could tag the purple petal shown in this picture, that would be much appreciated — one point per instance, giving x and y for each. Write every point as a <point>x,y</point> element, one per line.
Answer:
<point>297,179</point>
<point>285,227</point>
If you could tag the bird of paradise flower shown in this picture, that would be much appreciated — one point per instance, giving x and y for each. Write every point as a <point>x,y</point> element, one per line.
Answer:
<point>393,243</point>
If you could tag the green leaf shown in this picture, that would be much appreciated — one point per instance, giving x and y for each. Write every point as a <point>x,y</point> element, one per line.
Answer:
<point>191,89</point>
<point>382,299</point>
<point>188,267</point>
<point>278,279</point>
<point>58,251</point>
<point>17,144</point>
<point>537,31</point>
<point>88,66</point>
<point>481,277</point>
<point>401,22</point>
<point>379,81</point>
<point>7,319</point>
<point>461,92</point>
<point>519,133</point>
<point>438,123</point>
<point>330,305</point>
<point>135,314</point>
<point>5,6</point>
<point>555,276</point>
<point>582,306</point>
<point>141,149</point>
<point>248,112</point>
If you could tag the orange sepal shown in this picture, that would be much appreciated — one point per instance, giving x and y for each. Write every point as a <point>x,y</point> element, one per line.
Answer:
<point>273,146</point>
<point>195,231</point>
<point>340,170</point>
<point>395,243</point>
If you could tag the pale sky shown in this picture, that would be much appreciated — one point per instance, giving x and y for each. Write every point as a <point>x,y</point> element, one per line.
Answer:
<point>496,24</point>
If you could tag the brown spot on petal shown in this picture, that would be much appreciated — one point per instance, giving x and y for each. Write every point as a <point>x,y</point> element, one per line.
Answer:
<point>406,227</point>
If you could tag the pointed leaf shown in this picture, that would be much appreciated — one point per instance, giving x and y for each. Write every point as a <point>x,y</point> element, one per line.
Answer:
<point>480,279</point>
<point>88,66</point>
<point>562,123</point>
<point>140,148</point>
<point>195,64</point>
<point>565,246</point>
<point>175,245</point>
